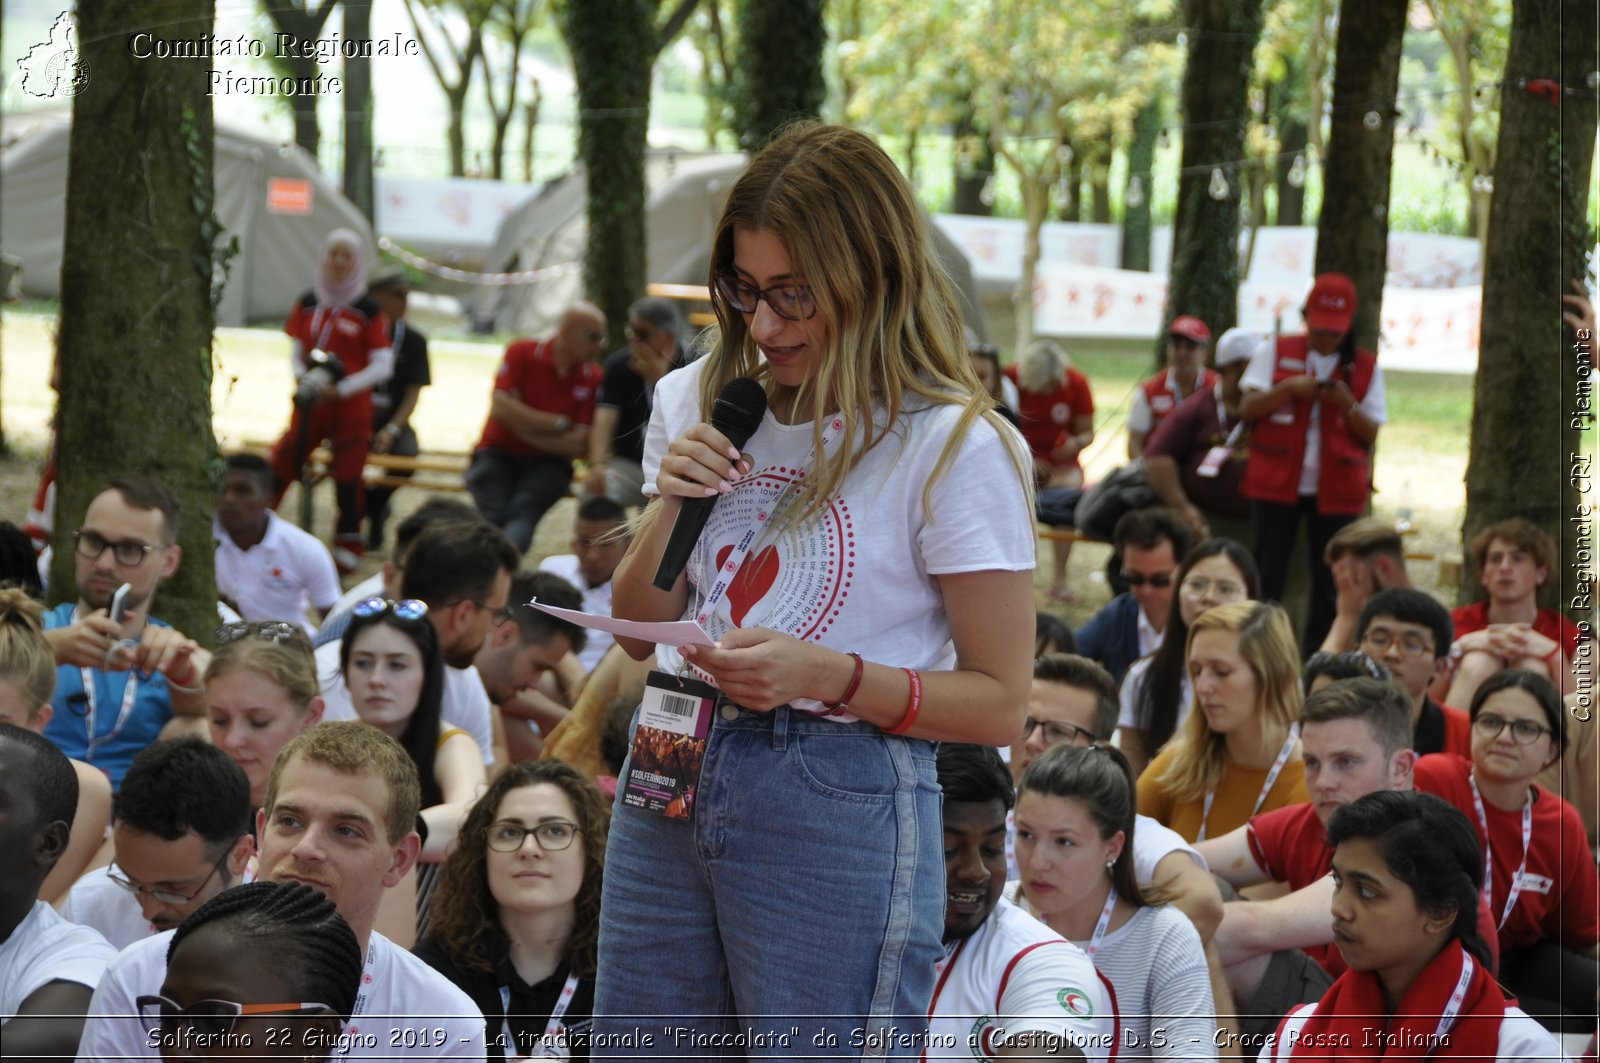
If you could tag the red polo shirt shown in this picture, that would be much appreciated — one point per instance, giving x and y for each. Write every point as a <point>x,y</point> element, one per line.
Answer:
<point>528,372</point>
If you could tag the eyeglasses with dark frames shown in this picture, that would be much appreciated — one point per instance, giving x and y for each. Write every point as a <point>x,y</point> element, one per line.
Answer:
<point>211,1020</point>
<point>553,835</point>
<point>128,552</point>
<point>1523,732</point>
<point>120,877</point>
<point>405,609</point>
<point>1155,579</point>
<point>1381,639</point>
<point>793,302</point>
<point>1055,732</point>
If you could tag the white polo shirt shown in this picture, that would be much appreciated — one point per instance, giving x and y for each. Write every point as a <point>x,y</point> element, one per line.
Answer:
<point>279,577</point>
<point>405,1010</point>
<point>45,948</point>
<point>1013,976</point>
<point>595,600</point>
<point>465,703</point>
<point>96,901</point>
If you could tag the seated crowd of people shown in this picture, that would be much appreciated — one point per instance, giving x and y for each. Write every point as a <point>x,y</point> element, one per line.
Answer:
<point>1212,838</point>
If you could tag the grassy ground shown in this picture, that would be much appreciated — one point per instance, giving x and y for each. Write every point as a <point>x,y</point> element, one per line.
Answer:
<point>1420,464</point>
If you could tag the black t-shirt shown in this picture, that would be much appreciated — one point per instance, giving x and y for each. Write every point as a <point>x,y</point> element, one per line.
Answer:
<point>626,390</point>
<point>530,1008</point>
<point>410,370</point>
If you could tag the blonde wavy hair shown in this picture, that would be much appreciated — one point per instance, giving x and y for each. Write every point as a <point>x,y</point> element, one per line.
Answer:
<point>1267,643</point>
<point>25,657</point>
<point>853,231</point>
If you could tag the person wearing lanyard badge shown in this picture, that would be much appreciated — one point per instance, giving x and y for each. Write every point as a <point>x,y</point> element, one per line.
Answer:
<point>1075,827</point>
<point>1541,884</point>
<point>335,320</point>
<point>1236,756</point>
<point>1406,873</point>
<point>339,817</point>
<point>517,913</point>
<point>117,686</point>
<point>886,605</point>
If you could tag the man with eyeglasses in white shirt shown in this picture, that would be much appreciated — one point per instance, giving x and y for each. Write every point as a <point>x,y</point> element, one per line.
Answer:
<point>181,835</point>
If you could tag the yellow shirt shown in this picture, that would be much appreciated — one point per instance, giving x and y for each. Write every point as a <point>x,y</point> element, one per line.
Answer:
<point>1235,795</point>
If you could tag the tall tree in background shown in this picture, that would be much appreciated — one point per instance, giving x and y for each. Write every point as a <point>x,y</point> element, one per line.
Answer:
<point>453,61</point>
<point>778,70</point>
<point>1353,227</point>
<point>137,288</point>
<point>357,97</point>
<point>614,44</point>
<point>305,20</point>
<point>1205,233</point>
<point>1292,65</point>
<point>510,22</point>
<point>1474,34</point>
<point>1525,429</point>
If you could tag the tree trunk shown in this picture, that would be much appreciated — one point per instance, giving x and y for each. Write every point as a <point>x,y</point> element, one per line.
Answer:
<point>1098,172</point>
<point>1526,459</point>
<point>1071,209</point>
<point>306,25</point>
<point>358,113</point>
<point>1353,228</point>
<point>1035,206</point>
<point>137,290</point>
<point>1205,233</point>
<point>779,67</point>
<point>1136,195</point>
<point>530,123</point>
<point>1292,146</point>
<point>613,48</point>
<point>967,187</point>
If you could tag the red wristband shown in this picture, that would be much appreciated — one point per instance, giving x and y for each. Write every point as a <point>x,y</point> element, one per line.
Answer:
<point>843,704</point>
<point>1553,654</point>
<point>913,705</point>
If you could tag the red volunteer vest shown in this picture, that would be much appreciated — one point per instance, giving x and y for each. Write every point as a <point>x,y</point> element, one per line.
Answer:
<point>1161,399</point>
<point>1278,441</point>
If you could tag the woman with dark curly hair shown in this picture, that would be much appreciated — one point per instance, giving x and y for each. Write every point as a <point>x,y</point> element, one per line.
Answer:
<point>516,918</point>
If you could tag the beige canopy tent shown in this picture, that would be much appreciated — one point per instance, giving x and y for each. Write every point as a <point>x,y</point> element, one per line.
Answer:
<point>269,195</point>
<point>685,198</point>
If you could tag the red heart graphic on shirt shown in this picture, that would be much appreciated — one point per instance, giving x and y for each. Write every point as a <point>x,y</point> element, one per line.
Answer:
<point>756,577</point>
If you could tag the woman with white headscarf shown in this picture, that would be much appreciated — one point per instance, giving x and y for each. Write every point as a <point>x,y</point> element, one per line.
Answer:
<point>340,353</point>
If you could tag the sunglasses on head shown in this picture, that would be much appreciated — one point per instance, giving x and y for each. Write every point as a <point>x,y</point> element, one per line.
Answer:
<point>1139,579</point>
<point>279,631</point>
<point>405,609</point>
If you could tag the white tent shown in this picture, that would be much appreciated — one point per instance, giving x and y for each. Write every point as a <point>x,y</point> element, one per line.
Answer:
<point>685,198</point>
<point>270,196</point>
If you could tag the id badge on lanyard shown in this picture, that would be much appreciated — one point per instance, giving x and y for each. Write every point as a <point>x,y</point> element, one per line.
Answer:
<point>669,745</point>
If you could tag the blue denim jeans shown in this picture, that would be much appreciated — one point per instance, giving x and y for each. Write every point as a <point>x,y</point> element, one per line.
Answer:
<point>514,493</point>
<point>797,914</point>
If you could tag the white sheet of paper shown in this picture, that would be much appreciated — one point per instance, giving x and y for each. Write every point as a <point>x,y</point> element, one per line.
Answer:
<point>669,633</point>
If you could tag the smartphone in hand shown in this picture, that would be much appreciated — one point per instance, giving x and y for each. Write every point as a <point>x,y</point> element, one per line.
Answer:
<point>119,603</point>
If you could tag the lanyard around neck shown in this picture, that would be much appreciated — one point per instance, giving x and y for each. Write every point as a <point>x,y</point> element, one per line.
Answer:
<point>1488,860</point>
<point>1266,787</point>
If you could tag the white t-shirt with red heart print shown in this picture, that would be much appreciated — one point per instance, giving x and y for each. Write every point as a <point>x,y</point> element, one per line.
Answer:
<point>860,576</point>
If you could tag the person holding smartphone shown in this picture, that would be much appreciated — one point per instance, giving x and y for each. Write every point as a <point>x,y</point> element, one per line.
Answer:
<point>121,678</point>
<point>1317,401</point>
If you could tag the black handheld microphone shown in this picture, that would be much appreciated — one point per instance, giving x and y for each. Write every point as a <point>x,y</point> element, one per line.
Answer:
<point>737,414</point>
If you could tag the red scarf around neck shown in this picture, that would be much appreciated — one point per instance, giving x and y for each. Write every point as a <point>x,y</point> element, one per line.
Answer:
<point>1349,1020</point>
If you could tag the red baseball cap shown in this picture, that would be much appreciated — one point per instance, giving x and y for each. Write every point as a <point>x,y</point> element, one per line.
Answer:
<point>1190,328</point>
<point>1331,304</point>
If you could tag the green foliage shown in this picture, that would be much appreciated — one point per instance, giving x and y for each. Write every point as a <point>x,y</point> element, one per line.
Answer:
<point>778,72</point>
<point>213,263</point>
